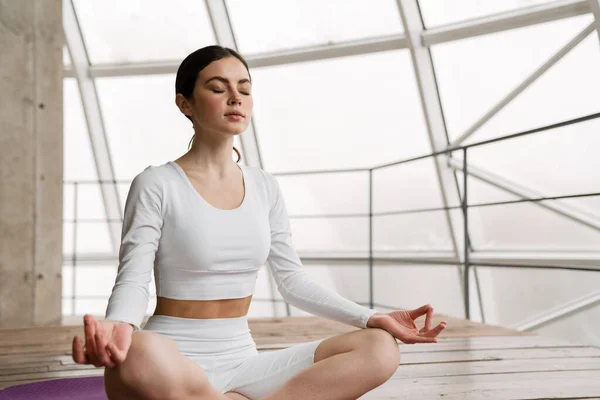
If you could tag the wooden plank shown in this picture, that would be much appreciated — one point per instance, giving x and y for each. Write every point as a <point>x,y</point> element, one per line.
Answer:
<point>408,371</point>
<point>53,374</point>
<point>531,385</point>
<point>38,349</point>
<point>15,358</point>
<point>22,370</point>
<point>504,354</point>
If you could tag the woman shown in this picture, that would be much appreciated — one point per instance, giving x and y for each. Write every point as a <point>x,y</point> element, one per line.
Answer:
<point>204,225</point>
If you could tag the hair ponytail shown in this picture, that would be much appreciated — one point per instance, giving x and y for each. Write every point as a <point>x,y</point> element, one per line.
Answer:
<point>234,149</point>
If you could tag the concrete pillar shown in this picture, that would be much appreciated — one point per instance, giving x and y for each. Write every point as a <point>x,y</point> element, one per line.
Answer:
<point>31,162</point>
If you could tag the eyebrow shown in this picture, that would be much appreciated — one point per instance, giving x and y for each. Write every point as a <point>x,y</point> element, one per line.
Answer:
<point>226,81</point>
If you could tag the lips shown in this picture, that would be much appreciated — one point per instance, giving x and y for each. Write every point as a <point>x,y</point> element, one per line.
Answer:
<point>235,113</point>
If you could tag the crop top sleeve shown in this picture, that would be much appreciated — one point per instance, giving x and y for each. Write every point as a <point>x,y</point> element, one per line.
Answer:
<point>141,231</point>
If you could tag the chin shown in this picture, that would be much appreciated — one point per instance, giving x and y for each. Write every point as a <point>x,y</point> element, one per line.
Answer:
<point>235,129</point>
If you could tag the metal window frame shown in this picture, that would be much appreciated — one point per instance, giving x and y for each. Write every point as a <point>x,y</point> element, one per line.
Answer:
<point>416,39</point>
<point>471,28</point>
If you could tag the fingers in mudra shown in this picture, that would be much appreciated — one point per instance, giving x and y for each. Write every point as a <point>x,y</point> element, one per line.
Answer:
<point>427,330</point>
<point>405,329</point>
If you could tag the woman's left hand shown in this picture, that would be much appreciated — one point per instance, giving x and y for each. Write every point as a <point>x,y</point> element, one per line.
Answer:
<point>401,324</point>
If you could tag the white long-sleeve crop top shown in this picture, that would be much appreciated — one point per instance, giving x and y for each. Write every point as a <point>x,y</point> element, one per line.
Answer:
<point>200,252</point>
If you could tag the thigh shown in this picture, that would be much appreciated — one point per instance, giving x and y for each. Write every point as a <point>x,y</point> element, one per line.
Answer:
<point>155,369</point>
<point>264,373</point>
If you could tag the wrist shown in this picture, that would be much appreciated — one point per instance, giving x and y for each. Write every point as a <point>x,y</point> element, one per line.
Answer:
<point>129,324</point>
<point>373,321</point>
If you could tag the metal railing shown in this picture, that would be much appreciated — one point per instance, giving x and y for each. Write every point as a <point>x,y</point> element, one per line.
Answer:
<point>466,263</point>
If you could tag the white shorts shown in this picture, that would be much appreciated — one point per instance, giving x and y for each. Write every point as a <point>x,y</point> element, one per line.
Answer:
<point>225,350</point>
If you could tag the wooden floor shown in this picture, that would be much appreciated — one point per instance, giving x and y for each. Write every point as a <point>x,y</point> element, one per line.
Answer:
<point>470,361</point>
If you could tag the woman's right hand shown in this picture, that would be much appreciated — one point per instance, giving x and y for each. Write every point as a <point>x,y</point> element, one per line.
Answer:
<point>106,342</point>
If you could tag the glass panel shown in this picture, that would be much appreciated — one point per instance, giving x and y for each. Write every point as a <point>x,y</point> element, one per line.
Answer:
<point>91,237</point>
<point>350,281</point>
<point>481,192</point>
<point>326,235</point>
<point>67,280</point>
<point>318,194</point>
<point>68,201</point>
<point>526,226</point>
<point>67,307</point>
<point>348,112</point>
<point>136,140</point>
<point>309,22</point>
<point>95,280</point>
<point>411,286</point>
<point>89,202</point>
<point>468,90</point>
<point>587,205</point>
<point>523,294</point>
<point>78,158</point>
<point>120,31</point>
<point>579,328</point>
<point>415,232</point>
<point>96,307</point>
<point>435,12</point>
<point>407,186</point>
<point>558,162</point>
<point>568,90</point>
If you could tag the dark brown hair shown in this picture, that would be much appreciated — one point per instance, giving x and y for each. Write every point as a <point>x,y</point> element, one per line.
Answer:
<point>188,70</point>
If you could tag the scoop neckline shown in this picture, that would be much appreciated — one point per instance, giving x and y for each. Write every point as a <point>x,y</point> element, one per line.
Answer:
<point>191,186</point>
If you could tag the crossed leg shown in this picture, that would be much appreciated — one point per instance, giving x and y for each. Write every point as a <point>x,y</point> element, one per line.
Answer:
<point>345,367</point>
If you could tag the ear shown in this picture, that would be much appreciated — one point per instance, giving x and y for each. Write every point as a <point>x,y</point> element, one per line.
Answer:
<point>183,104</point>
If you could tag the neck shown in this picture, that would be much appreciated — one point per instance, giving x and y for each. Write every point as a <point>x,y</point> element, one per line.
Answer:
<point>211,155</point>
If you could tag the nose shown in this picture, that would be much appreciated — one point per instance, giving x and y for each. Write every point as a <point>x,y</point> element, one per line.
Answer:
<point>235,99</point>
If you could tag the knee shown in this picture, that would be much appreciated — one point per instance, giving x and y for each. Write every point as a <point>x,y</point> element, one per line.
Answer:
<point>381,349</point>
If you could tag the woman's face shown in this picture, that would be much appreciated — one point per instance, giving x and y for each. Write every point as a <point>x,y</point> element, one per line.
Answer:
<point>222,100</point>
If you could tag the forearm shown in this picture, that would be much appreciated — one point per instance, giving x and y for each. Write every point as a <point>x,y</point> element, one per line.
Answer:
<point>128,303</point>
<point>300,291</point>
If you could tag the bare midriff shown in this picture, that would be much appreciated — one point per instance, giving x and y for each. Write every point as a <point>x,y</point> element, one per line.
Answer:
<point>203,309</point>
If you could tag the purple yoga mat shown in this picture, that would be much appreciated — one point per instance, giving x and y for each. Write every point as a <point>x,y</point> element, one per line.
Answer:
<point>88,388</point>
